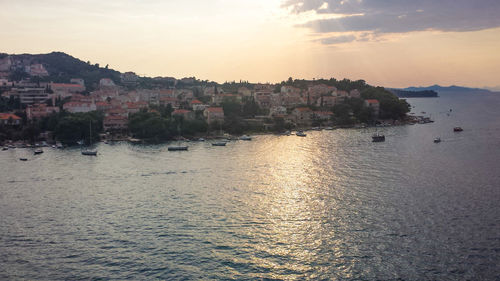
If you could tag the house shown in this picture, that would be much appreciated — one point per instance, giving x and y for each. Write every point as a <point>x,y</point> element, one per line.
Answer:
<point>66,90</point>
<point>134,107</point>
<point>355,93</point>
<point>114,123</point>
<point>106,83</point>
<point>40,111</point>
<point>36,70</point>
<point>277,111</point>
<point>129,78</point>
<point>103,105</point>
<point>10,119</point>
<point>326,101</point>
<point>174,102</point>
<point>214,114</point>
<point>186,114</point>
<point>197,105</point>
<point>78,106</point>
<point>322,115</point>
<point>244,91</point>
<point>374,105</point>
<point>303,115</point>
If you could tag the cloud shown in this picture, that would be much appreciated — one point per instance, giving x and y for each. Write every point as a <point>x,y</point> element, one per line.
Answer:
<point>399,16</point>
<point>338,39</point>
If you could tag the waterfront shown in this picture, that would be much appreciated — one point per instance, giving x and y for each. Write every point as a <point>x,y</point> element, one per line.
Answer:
<point>332,205</point>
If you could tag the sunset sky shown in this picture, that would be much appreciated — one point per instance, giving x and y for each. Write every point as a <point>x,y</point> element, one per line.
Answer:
<point>393,43</point>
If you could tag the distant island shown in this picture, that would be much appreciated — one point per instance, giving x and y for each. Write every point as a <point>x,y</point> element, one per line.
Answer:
<point>453,88</point>
<point>56,97</point>
<point>414,94</point>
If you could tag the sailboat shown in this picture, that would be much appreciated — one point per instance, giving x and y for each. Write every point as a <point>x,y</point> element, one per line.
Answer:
<point>88,151</point>
<point>177,147</point>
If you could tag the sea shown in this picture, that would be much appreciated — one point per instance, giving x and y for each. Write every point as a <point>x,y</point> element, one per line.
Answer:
<point>329,206</point>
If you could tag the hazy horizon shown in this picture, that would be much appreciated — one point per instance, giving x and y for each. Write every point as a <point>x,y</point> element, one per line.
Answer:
<point>408,43</point>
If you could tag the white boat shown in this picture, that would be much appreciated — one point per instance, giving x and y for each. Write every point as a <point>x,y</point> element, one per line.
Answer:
<point>219,143</point>
<point>246,138</point>
<point>437,140</point>
<point>38,151</point>
<point>300,134</point>
<point>329,128</point>
<point>201,139</point>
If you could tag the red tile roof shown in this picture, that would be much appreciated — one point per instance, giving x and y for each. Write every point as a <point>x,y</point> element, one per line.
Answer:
<point>372,101</point>
<point>181,111</point>
<point>196,102</point>
<point>215,109</point>
<point>303,109</point>
<point>6,116</point>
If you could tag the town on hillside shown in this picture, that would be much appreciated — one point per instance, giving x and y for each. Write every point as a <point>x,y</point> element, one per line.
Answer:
<point>34,107</point>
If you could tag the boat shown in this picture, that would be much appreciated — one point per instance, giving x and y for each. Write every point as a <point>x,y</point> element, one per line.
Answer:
<point>378,138</point>
<point>219,143</point>
<point>329,128</point>
<point>457,129</point>
<point>300,134</point>
<point>201,139</point>
<point>246,138</point>
<point>5,148</point>
<point>23,159</point>
<point>38,151</point>
<point>59,145</point>
<point>177,148</point>
<point>437,140</point>
<point>87,151</point>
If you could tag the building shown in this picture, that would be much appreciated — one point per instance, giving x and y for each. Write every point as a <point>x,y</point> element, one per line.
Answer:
<point>174,102</point>
<point>9,119</point>
<point>36,70</point>
<point>106,83</point>
<point>322,115</point>
<point>374,105</point>
<point>30,95</point>
<point>214,114</point>
<point>114,123</point>
<point>78,81</point>
<point>197,105</point>
<point>129,78</point>
<point>303,115</point>
<point>66,90</point>
<point>277,111</point>
<point>186,114</point>
<point>79,107</point>
<point>40,111</point>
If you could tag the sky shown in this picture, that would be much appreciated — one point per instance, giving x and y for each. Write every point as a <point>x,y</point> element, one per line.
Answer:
<point>391,43</point>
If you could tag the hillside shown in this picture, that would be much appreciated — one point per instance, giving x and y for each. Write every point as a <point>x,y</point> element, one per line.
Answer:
<point>61,68</point>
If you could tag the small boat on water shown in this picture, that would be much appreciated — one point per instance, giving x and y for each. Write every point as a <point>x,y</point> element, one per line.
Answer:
<point>177,148</point>
<point>378,138</point>
<point>23,159</point>
<point>59,145</point>
<point>329,128</point>
<point>457,129</point>
<point>246,138</point>
<point>38,151</point>
<point>437,140</point>
<point>300,134</point>
<point>87,151</point>
<point>5,148</point>
<point>219,143</point>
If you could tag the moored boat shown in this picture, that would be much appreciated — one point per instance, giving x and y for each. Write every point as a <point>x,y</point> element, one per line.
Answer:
<point>457,129</point>
<point>246,138</point>
<point>177,148</point>
<point>38,151</point>
<point>437,140</point>
<point>378,138</point>
<point>219,143</point>
<point>300,134</point>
